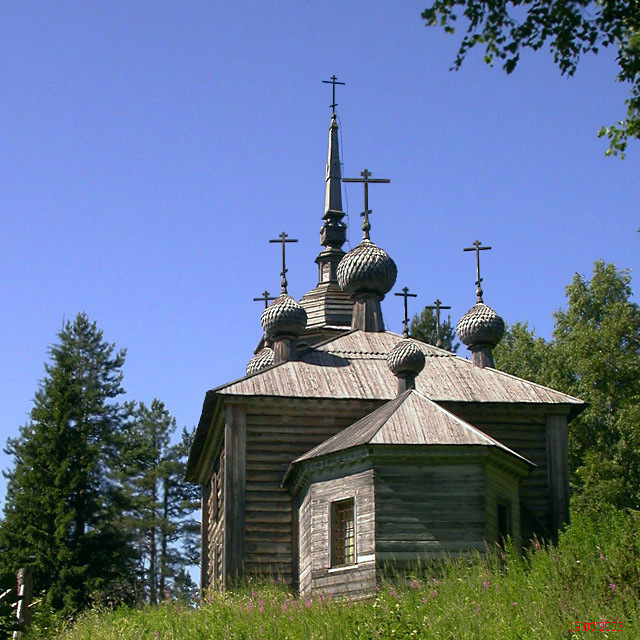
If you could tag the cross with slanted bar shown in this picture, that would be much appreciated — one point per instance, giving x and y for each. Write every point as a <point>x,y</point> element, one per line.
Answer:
<point>477,248</point>
<point>265,297</point>
<point>334,82</point>
<point>437,305</point>
<point>405,323</point>
<point>283,238</point>
<point>366,226</point>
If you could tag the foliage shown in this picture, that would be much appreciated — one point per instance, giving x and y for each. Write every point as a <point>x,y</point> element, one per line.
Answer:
<point>61,514</point>
<point>569,27</point>
<point>592,575</point>
<point>597,344</point>
<point>594,355</point>
<point>523,354</point>
<point>161,503</point>
<point>8,622</point>
<point>423,327</point>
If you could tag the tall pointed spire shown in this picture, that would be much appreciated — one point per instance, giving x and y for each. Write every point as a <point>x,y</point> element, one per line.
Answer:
<point>333,178</point>
<point>333,233</point>
<point>328,307</point>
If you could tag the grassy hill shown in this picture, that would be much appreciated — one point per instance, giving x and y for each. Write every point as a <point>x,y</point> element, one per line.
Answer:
<point>592,576</point>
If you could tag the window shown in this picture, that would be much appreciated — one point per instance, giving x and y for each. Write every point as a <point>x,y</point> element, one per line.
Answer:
<point>343,533</point>
<point>504,519</point>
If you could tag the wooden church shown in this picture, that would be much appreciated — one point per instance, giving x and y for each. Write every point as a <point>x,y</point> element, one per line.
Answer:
<point>347,449</point>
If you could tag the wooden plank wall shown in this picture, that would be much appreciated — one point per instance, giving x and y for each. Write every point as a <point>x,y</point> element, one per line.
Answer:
<point>278,431</point>
<point>315,553</point>
<point>501,485</point>
<point>525,434</point>
<point>423,511</point>
<point>215,525</point>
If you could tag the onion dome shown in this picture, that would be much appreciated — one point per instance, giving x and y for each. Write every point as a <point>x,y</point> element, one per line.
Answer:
<point>262,359</point>
<point>406,358</point>
<point>481,325</point>
<point>367,269</point>
<point>284,317</point>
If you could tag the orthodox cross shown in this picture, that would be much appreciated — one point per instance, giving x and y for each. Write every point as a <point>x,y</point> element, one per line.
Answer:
<point>366,226</point>
<point>334,82</point>
<point>283,239</point>
<point>477,248</point>
<point>405,323</point>
<point>437,305</point>
<point>265,297</point>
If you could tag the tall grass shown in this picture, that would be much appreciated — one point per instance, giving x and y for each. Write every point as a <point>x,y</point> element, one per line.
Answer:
<point>591,576</point>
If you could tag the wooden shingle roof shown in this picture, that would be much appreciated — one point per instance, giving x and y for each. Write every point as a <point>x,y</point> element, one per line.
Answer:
<point>409,419</point>
<point>353,366</point>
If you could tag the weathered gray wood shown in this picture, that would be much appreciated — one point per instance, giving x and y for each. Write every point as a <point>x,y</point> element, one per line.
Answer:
<point>234,489</point>
<point>557,452</point>
<point>315,553</point>
<point>204,537</point>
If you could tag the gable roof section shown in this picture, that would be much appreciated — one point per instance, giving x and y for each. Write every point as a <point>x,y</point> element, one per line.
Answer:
<point>353,366</point>
<point>409,419</point>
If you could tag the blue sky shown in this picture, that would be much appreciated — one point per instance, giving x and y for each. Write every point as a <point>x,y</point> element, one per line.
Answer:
<point>149,151</point>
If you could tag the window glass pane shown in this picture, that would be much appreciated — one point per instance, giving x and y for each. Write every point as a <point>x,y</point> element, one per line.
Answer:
<point>343,541</point>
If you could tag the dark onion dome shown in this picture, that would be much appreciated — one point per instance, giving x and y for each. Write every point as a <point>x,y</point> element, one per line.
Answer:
<point>262,359</point>
<point>405,358</point>
<point>283,317</point>
<point>367,269</point>
<point>481,325</point>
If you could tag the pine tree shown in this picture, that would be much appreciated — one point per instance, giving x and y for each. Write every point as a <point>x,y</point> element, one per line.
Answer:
<point>61,508</point>
<point>161,503</point>
<point>423,327</point>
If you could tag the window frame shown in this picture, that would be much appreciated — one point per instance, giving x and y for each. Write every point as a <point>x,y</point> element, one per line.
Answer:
<point>342,561</point>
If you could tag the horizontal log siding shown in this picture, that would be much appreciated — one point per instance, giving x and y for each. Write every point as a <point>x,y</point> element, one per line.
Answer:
<point>422,512</point>
<point>526,436</point>
<point>277,433</point>
<point>304,545</point>
<point>317,576</point>
<point>215,525</point>
<point>501,486</point>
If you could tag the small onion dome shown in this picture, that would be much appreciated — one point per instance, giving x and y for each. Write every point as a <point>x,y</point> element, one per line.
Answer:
<point>283,317</point>
<point>262,359</point>
<point>367,269</point>
<point>406,358</point>
<point>481,325</point>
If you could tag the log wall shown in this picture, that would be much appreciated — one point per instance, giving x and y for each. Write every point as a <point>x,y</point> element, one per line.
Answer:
<point>525,432</point>
<point>277,433</point>
<point>501,486</point>
<point>425,511</point>
<point>316,573</point>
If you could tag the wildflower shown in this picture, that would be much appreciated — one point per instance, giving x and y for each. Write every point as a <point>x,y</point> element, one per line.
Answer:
<point>414,584</point>
<point>393,593</point>
<point>261,605</point>
<point>502,556</point>
<point>249,605</point>
<point>283,607</point>
<point>308,603</point>
<point>377,587</point>
<point>601,556</point>
<point>156,635</point>
<point>537,545</point>
<point>424,599</point>
<point>612,586</point>
<point>485,584</point>
<point>433,593</point>
<point>513,604</point>
<point>434,580</point>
